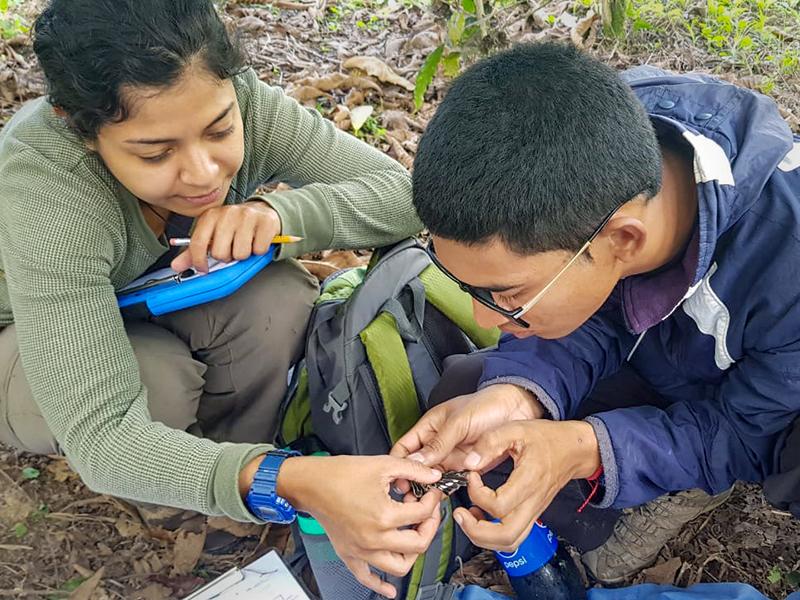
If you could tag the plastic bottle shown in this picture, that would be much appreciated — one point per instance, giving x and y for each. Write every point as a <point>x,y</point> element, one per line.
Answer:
<point>540,570</point>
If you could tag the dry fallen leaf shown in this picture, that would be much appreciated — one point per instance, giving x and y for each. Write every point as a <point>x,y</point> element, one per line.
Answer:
<point>326,83</point>
<point>128,528</point>
<point>377,68</point>
<point>234,527</point>
<point>85,590</point>
<point>583,28</point>
<point>304,93</point>
<point>341,117</point>
<point>355,97</point>
<point>154,591</point>
<point>663,573</point>
<point>61,471</point>
<point>403,157</point>
<point>149,564</point>
<point>187,551</point>
<point>319,269</point>
<point>15,504</point>
<point>362,83</point>
<point>251,24</point>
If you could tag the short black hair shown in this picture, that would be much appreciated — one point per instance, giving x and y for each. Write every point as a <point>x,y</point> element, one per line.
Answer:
<point>534,146</point>
<point>90,50</point>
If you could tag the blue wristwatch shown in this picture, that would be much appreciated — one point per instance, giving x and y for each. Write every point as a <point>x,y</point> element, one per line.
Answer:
<point>263,499</point>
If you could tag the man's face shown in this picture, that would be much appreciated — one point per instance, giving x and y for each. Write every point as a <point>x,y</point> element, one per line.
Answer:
<point>515,279</point>
<point>181,147</point>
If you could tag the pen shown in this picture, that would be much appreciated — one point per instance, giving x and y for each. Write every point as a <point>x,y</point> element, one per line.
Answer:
<point>278,239</point>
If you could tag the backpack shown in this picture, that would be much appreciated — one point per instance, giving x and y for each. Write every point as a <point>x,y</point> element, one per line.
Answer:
<point>376,344</point>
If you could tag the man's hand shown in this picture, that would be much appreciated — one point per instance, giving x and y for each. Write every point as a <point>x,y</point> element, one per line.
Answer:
<point>349,496</point>
<point>547,455</point>
<point>230,232</point>
<point>446,433</point>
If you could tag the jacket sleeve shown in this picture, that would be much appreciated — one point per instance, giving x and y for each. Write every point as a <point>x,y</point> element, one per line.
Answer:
<point>561,372</point>
<point>706,442</point>
<point>348,194</point>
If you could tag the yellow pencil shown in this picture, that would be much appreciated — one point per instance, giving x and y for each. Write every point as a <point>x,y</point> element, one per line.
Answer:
<point>286,239</point>
<point>278,239</point>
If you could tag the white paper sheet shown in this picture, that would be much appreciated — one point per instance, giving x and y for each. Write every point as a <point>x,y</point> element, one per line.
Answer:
<point>268,578</point>
<point>166,273</point>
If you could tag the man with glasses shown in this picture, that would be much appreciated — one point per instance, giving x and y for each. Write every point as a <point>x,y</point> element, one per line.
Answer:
<point>637,239</point>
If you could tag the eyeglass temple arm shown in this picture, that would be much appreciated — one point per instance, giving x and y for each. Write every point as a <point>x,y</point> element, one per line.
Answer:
<point>530,303</point>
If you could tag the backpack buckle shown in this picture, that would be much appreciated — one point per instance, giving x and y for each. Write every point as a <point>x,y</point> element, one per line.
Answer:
<point>335,408</point>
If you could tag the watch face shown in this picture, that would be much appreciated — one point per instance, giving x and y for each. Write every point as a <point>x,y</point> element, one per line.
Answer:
<point>268,513</point>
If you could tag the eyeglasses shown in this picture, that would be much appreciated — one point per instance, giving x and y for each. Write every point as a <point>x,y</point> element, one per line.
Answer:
<point>485,297</point>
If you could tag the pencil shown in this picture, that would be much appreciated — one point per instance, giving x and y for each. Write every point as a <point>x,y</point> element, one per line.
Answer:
<point>278,239</point>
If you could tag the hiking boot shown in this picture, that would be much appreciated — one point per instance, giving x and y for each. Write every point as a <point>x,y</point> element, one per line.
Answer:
<point>641,533</point>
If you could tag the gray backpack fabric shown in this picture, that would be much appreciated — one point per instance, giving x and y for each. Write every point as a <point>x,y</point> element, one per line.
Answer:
<point>376,344</point>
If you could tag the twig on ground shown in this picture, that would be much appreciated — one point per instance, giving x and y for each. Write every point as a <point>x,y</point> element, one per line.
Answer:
<point>60,516</point>
<point>14,547</point>
<point>21,593</point>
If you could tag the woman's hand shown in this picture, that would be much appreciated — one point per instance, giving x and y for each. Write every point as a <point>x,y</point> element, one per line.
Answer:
<point>230,232</point>
<point>349,496</point>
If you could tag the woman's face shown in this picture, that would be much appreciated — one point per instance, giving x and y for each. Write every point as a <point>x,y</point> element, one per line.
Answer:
<point>181,147</point>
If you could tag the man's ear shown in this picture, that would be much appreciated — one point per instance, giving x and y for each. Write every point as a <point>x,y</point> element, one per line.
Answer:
<point>626,237</point>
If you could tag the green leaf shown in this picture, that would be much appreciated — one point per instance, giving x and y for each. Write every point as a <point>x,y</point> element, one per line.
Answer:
<point>793,579</point>
<point>455,28</point>
<point>469,6</point>
<point>20,530</point>
<point>452,64</point>
<point>3,6</point>
<point>425,76</point>
<point>746,42</point>
<point>774,575</point>
<point>72,584</point>
<point>30,473</point>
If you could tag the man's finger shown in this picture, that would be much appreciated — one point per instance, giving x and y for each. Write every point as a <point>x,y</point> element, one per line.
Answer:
<point>360,569</point>
<point>493,445</point>
<point>521,486</point>
<point>438,447</point>
<point>415,438</point>
<point>402,486</point>
<point>504,536</point>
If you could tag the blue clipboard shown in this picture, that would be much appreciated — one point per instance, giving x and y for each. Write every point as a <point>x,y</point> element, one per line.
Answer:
<point>176,291</point>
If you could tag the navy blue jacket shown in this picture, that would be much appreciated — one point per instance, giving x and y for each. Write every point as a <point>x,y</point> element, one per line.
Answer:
<point>726,354</point>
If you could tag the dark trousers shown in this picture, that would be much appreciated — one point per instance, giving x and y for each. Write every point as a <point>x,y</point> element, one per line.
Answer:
<point>591,527</point>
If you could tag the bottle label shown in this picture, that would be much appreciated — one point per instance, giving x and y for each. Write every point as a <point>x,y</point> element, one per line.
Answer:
<point>532,554</point>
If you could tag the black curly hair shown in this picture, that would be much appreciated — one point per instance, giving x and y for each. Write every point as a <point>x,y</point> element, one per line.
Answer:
<point>92,50</point>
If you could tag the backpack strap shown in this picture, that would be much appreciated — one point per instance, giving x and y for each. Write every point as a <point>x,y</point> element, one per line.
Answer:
<point>389,361</point>
<point>438,591</point>
<point>430,568</point>
<point>383,343</point>
<point>444,293</point>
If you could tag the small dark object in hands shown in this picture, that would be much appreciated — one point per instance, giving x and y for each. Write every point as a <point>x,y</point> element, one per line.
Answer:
<point>450,482</point>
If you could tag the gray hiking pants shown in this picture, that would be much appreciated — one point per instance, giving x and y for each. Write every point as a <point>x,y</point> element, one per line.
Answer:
<point>218,370</point>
